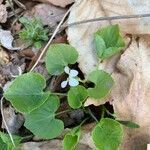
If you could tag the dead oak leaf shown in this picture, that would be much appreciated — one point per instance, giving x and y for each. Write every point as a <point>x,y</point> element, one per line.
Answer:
<point>131,92</point>
<point>81,36</point>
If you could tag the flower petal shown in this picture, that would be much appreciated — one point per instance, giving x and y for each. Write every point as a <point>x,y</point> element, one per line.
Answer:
<point>73,82</point>
<point>73,73</point>
<point>64,84</point>
<point>67,69</point>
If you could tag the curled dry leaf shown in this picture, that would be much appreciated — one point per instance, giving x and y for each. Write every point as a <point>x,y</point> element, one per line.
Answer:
<point>6,40</point>
<point>4,57</point>
<point>3,13</point>
<point>131,92</point>
<point>47,13</point>
<point>61,3</point>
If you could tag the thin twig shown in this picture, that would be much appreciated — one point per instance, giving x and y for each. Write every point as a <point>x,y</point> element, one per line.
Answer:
<point>12,8</point>
<point>105,19</point>
<point>49,42</point>
<point>20,4</point>
<point>6,123</point>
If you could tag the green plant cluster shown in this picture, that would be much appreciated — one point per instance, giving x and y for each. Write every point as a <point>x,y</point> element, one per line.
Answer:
<point>33,32</point>
<point>6,144</point>
<point>27,94</point>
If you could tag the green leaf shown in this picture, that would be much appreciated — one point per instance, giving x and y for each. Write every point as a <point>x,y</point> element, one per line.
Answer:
<point>72,138</point>
<point>129,124</point>
<point>58,56</point>
<point>108,134</point>
<point>99,44</point>
<point>26,92</point>
<point>33,31</point>
<point>6,143</point>
<point>42,123</point>
<point>38,45</point>
<point>103,84</point>
<point>3,144</point>
<point>108,41</point>
<point>24,20</point>
<point>76,96</point>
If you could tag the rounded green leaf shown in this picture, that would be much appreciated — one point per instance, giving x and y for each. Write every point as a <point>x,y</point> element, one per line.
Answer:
<point>108,134</point>
<point>103,84</point>
<point>58,56</point>
<point>76,96</point>
<point>72,138</point>
<point>42,123</point>
<point>26,92</point>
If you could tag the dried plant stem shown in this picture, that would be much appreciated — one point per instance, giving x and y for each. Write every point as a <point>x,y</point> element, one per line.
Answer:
<point>3,118</point>
<point>105,19</point>
<point>49,42</point>
<point>12,8</point>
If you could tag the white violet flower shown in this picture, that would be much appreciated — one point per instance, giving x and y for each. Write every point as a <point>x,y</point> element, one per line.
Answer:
<point>71,79</point>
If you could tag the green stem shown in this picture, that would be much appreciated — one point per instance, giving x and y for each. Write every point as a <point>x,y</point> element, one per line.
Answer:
<point>92,115</point>
<point>62,112</point>
<point>109,113</point>
<point>82,81</point>
<point>103,112</point>
<point>60,94</point>
<point>83,121</point>
<point>12,8</point>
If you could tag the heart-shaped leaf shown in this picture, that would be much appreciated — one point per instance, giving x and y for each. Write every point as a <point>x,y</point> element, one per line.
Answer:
<point>72,138</point>
<point>26,92</point>
<point>42,123</point>
<point>76,96</point>
<point>108,41</point>
<point>58,56</point>
<point>108,134</point>
<point>103,84</point>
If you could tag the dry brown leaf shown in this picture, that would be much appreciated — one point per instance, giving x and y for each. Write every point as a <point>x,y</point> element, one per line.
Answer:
<point>130,95</point>
<point>61,3</point>
<point>3,13</point>
<point>131,92</point>
<point>81,36</point>
<point>4,57</point>
<point>14,121</point>
<point>49,14</point>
